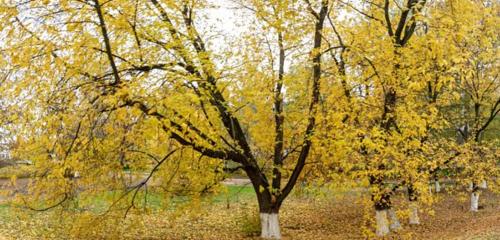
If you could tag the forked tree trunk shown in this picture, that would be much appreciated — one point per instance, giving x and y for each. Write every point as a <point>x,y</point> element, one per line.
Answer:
<point>269,215</point>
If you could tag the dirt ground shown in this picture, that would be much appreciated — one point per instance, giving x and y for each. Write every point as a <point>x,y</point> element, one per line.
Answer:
<point>344,218</point>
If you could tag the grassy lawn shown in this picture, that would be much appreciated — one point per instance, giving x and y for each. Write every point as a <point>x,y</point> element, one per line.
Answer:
<point>156,201</point>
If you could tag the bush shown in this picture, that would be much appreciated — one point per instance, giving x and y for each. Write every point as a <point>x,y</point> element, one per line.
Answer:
<point>250,223</point>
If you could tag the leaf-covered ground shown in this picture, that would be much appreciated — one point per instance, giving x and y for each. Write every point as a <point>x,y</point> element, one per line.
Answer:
<point>233,216</point>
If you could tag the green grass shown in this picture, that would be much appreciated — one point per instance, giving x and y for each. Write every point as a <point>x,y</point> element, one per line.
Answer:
<point>234,194</point>
<point>155,200</point>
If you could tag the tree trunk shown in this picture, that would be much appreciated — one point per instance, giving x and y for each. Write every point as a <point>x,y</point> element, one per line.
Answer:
<point>414,219</point>
<point>395,224</point>
<point>382,222</point>
<point>269,215</point>
<point>437,186</point>
<point>413,197</point>
<point>382,207</point>
<point>474,201</point>
<point>270,226</point>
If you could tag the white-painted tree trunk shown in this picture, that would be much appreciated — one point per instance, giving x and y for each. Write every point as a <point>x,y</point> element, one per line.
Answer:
<point>395,224</point>
<point>414,219</point>
<point>437,186</point>
<point>474,201</point>
<point>270,226</point>
<point>484,184</point>
<point>382,223</point>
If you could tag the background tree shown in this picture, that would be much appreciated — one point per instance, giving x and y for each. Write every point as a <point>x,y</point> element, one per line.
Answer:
<point>477,85</point>
<point>383,82</point>
<point>396,97</point>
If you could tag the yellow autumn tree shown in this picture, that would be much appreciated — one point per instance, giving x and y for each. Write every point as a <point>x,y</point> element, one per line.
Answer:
<point>396,74</point>
<point>112,87</point>
<point>472,28</point>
